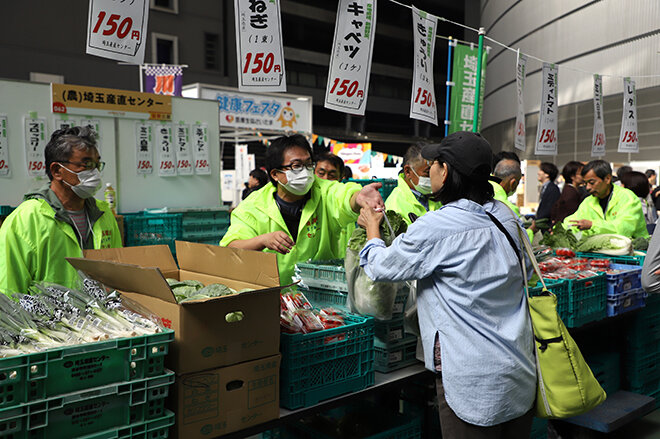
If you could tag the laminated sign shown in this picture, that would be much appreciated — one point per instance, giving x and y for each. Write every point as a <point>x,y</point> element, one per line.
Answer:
<point>259,45</point>
<point>5,169</point>
<point>546,134</point>
<point>201,149</point>
<point>117,29</point>
<point>464,91</point>
<point>628,141</point>
<point>521,66</point>
<point>35,144</point>
<point>144,148</point>
<point>598,142</point>
<point>422,102</point>
<point>63,124</point>
<point>166,151</point>
<point>350,62</point>
<point>184,164</point>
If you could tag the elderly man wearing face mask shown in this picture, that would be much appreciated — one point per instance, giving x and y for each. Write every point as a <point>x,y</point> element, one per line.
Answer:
<point>59,220</point>
<point>410,197</point>
<point>298,216</point>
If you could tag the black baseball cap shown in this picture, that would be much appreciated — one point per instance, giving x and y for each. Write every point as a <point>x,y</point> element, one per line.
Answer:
<point>467,152</point>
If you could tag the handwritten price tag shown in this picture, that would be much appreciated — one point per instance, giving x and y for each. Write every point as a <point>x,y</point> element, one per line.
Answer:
<point>35,144</point>
<point>200,146</point>
<point>144,148</point>
<point>117,30</point>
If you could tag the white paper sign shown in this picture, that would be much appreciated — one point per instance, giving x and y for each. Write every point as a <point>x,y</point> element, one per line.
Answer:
<point>5,169</point>
<point>118,29</point>
<point>251,159</point>
<point>422,101</point>
<point>63,124</point>
<point>598,139</point>
<point>144,147</point>
<point>259,45</point>
<point>628,141</point>
<point>241,165</point>
<point>350,62</point>
<point>35,144</point>
<point>546,134</point>
<point>166,151</point>
<point>184,159</point>
<point>95,124</point>
<point>521,67</point>
<point>201,149</point>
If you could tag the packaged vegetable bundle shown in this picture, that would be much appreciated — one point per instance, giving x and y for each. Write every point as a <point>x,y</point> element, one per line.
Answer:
<point>366,296</point>
<point>298,315</point>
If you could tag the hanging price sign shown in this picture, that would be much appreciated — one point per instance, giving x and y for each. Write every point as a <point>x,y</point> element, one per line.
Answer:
<point>5,169</point>
<point>628,141</point>
<point>422,102</point>
<point>598,140</point>
<point>117,29</point>
<point>35,144</point>
<point>546,134</point>
<point>144,148</point>
<point>184,159</point>
<point>350,62</point>
<point>63,124</point>
<point>259,45</point>
<point>521,66</point>
<point>94,124</point>
<point>201,149</point>
<point>166,151</point>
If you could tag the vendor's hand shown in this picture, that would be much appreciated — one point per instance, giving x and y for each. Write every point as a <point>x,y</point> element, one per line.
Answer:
<point>370,218</point>
<point>278,241</point>
<point>370,197</point>
<point>581,224</point>
<point>533,227</point>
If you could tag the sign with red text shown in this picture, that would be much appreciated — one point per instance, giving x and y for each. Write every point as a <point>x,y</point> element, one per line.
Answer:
<point>422,102</point>
<point>166,150</point>
<point>35,144</point>
<point>259,45</point>
<point>350,61</point>
<point>519,139</point>
<point>184,158</point>
<point>118,29</point>
<point>144,146</point>
<point>546,134</point>
<point>5,169</point>
<point>598,139</point>
<point>628,141</point>
<point>200,145</point>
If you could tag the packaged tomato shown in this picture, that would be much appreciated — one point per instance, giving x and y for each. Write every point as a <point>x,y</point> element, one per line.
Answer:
<point>310,322</point>
<point>599,263</point>
<point>585,274</point>
<point>567,252</point>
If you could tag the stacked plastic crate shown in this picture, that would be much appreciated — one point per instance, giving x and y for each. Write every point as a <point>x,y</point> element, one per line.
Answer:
<point>387,185</point>
<point>643,350</point>
<point>624,289</point>
<point>112,388</point>
<point>394,347</point>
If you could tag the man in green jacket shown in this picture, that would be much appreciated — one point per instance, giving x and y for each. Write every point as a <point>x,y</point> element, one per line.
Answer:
<point>509,173</point>
<point>609,208</point>
<point>59,220</point>
<point>410,197</point>
<point>298,216</point>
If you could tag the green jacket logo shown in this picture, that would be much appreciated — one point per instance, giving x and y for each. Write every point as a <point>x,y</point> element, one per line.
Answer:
<point>312,227</point>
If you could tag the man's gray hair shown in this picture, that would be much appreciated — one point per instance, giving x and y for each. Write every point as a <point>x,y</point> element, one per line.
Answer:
<point>600,167</point>
<point>506,168</point>
<point>63,141</point>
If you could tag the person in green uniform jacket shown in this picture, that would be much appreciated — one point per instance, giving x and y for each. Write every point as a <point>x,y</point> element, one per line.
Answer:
<point>298,216</point>
<point>59,220</point>
<point>509,173</point>
<point>410,196</point>
<point>609,208</point>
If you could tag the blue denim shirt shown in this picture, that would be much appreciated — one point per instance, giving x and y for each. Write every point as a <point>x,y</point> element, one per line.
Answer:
<point>470,293</point>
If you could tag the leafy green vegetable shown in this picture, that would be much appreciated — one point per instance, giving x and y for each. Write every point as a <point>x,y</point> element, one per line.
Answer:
<point>559,238</point>
<point>604,242</point>
<point>641,243</point>
<point>359,236</point>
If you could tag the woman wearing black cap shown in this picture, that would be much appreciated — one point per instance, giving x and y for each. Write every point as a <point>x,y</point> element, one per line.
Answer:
<point>473,314</point>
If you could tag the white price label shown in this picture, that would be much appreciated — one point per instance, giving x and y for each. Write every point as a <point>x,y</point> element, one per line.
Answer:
<point>546,134</point>
<point>184,159</point>
<point>35,144</point>
<point>422,101</point>
<point>166,151</point>
<point>521,66</point>
<point>628,141</point>
<point>598,140</point>
<point>201,149</point>
<point>397,334</point>
<point>393,357</point>
<point>144,148</point>
<point>5,169</point>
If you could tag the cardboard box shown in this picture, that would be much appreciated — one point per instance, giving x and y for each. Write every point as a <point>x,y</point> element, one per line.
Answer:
<point>203,338</point>
<point>220,401</point>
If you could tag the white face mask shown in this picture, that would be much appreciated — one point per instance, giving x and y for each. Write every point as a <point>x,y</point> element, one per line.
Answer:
<point>90,182</point>
<point>423,185</point>
<point>299,182</point>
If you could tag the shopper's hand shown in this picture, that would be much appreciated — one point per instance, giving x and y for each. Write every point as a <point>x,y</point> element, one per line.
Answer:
<point>370,218</point>
<point>370,197</point>
<point>581,224</point>
<point>278,241</point>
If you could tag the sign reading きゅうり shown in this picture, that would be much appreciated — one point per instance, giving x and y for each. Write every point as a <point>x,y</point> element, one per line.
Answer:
<point>598,139</point>
<point>422,102</point>
<point>521,67</point>
<point>628,141</point>
<point>184,160</point>
<point>35,144</point>
<point>546,134</point>
<point>201,148</point>
<point>5,168</point>
<point>350,61</point>
<point>166,150</point>
<point>259,45</point>
<point>117,29</point>
<point>144,148</point>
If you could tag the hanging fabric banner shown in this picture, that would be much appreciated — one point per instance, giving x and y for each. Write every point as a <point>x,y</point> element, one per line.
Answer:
<point>628,141</point>
<point>5,169</point>
<point>464,77</point>
<point>144,148</point>
<point>35,144</point>
<point>201,149</point>
<point>521,66</point>
<point>350,61</point>
<point>259,45</point>
<point>546,133</point>
<point>163,79</point>
<point>166,153</point>
<point>598,141</point>
<point>184,160</point>
<point>422,101</point>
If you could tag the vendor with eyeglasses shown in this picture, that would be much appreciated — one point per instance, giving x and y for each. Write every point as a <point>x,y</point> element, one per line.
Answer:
<point>59,220</point>
<point>298,216</point>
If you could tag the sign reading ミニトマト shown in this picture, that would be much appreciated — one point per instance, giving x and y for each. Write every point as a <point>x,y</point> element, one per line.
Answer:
<point>422,102</point>
<point>598,140</point>
<point>184,159</point>
<point>628,141</point>
<point>546,134</point>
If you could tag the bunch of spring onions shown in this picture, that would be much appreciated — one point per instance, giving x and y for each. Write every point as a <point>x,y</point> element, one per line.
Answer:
<point>52,316</point>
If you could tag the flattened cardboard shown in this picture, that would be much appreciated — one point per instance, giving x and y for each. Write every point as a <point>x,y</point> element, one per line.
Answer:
<point>220,401</point>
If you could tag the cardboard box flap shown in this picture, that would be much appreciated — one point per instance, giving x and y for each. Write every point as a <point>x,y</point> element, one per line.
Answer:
<point>230,263</point>
<point>228,296</point>
<point>126,277</point>
<point>158,256</point>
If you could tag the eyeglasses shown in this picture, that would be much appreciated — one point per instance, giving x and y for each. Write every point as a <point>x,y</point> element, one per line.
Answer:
<point>297,166</point>
<point>87,165</point>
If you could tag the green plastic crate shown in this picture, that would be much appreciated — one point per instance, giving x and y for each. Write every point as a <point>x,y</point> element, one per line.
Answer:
<point>83,413</point>
<point>153,229</point>
<point>388,332</point>
<point>397,355</point>
<point>152,429</point>
<point>626,260</point>
<point>560,289</point>
<point>204,224</point>
<point>40,375</point>
<point>388,185</point>
<point>606,367</point>
<point>321,298</point>
<point>325,364</point>
<point>328,275</point>
<point>645,326</point>
<point>587,300</point>
<point>6,210</point>
<point>539,429</point>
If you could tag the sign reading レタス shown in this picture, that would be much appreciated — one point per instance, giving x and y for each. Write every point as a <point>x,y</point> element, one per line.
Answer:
<point>117,29</point>
<point>546,134</point>
<point>201,148</point>
<point>259,45</point>
<point>598,141</point>
<point>521,66</point>
<point>350,61</point>
<point>628,141</point>
<point>422,102</point>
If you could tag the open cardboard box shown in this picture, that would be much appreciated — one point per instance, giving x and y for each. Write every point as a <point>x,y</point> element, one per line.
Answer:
<point>203,338</point>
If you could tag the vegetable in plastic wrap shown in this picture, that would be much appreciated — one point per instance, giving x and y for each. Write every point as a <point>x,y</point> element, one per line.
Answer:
<point>366,296</point>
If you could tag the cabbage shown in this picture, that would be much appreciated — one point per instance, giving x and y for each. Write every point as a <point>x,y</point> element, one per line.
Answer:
<point>609,244</point>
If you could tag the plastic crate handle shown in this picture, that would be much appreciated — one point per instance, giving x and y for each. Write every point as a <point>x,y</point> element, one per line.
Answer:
<point>588,283</point>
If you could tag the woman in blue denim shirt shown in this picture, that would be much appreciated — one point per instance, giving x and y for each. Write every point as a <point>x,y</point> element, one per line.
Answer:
<point>472,306</point>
